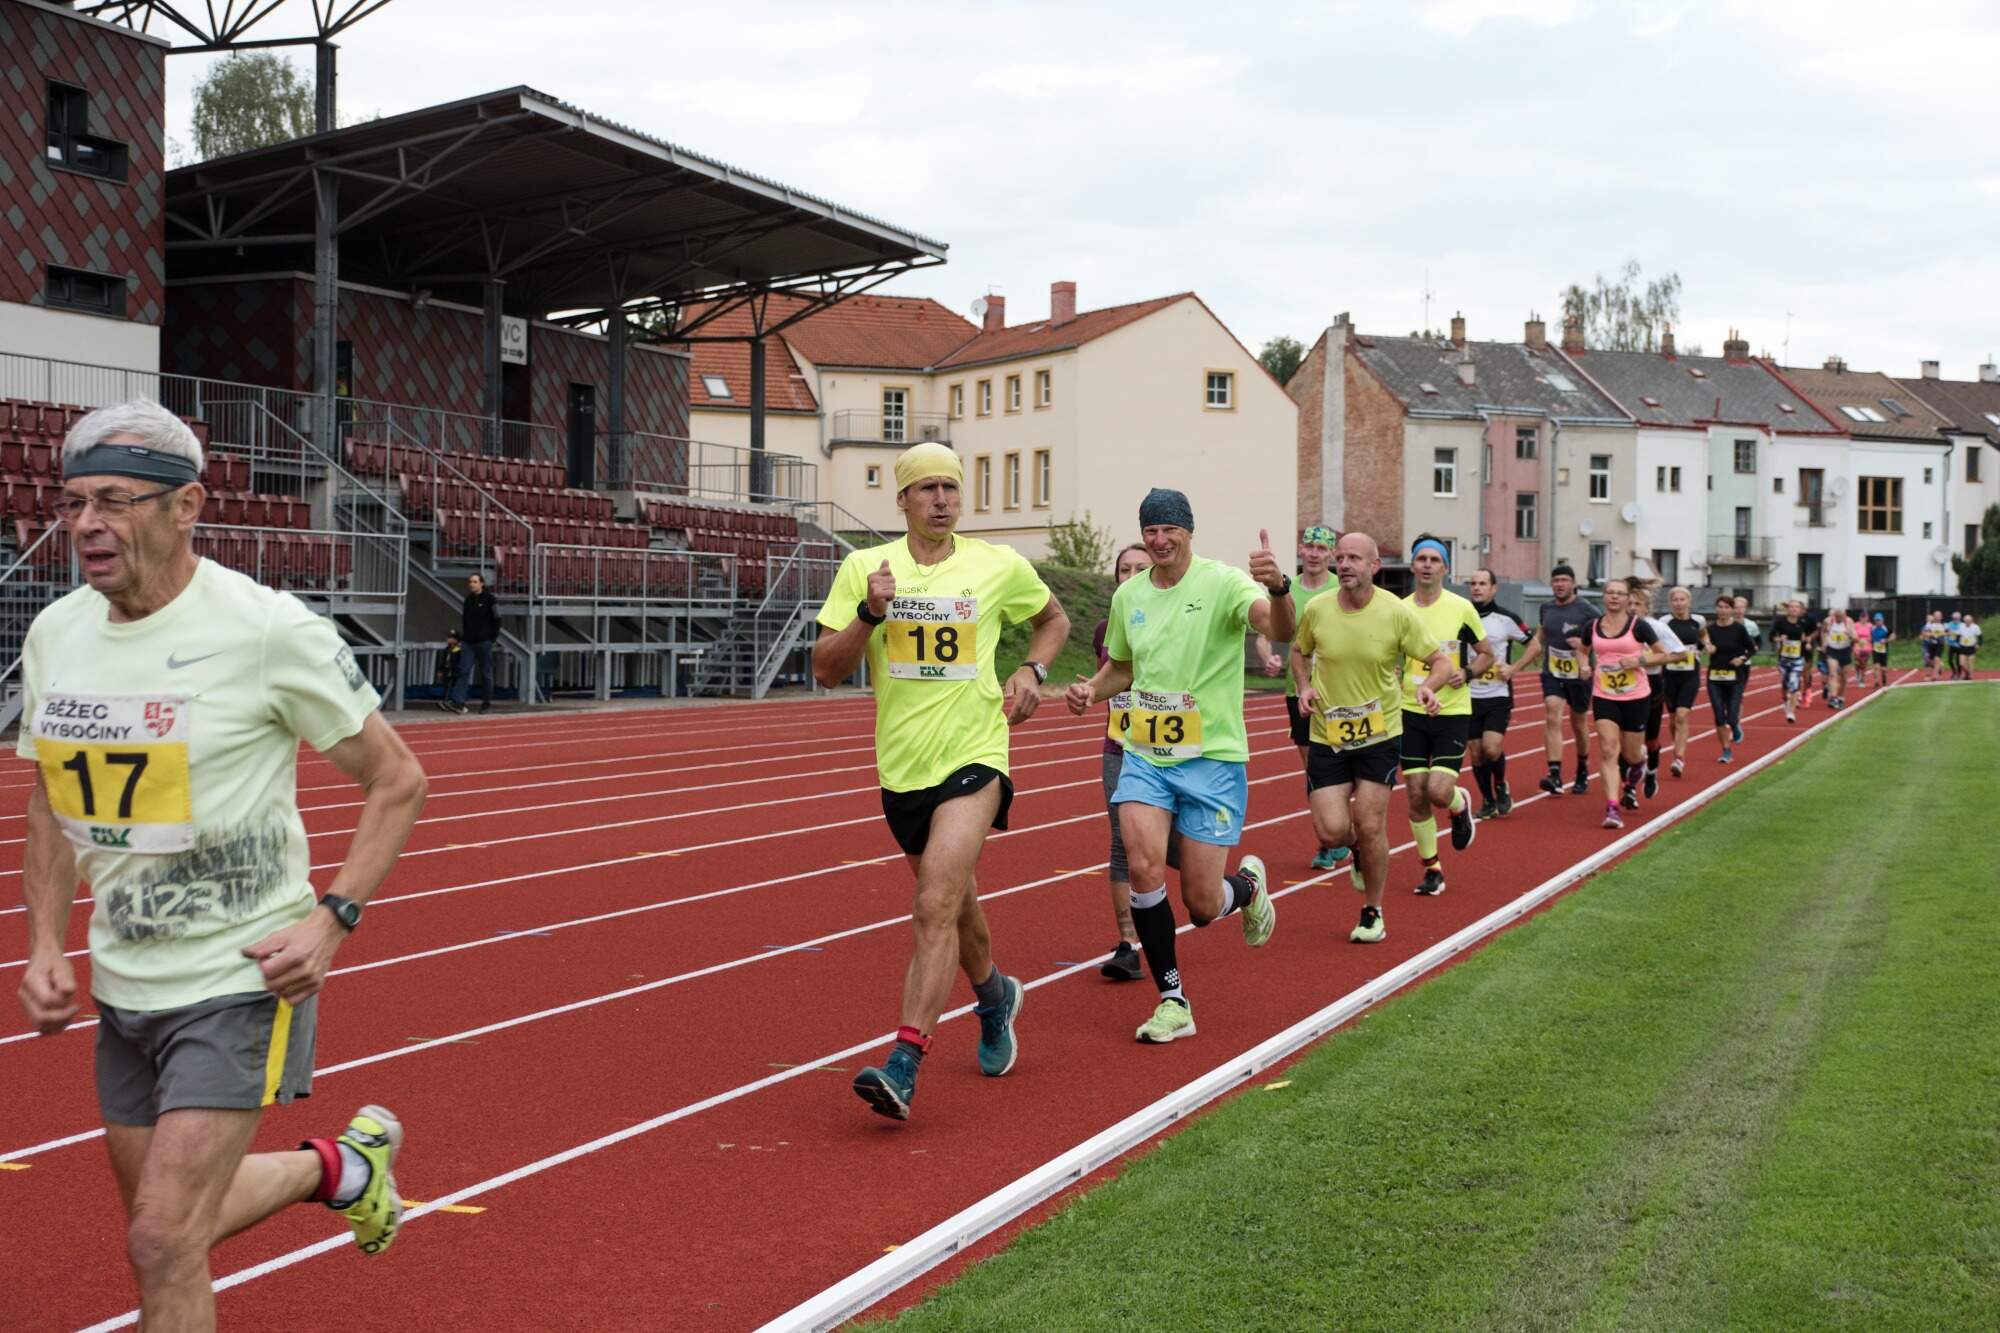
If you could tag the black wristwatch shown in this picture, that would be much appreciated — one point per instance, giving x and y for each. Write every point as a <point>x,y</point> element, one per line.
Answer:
<point>1041,672</point>
<point>1280,592</point>
<point>864,615</point>
<point>345,911</point>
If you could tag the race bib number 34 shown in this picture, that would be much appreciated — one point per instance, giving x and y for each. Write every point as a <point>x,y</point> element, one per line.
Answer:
<point>1165,725</point>
<point>933,638</point>
<point>1351,727</point>
<point>116,769</point>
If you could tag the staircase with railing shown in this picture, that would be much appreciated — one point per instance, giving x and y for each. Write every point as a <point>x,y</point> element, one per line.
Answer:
<point>753,649</point>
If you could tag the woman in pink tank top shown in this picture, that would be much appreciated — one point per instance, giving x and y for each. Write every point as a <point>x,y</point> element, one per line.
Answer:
<point>1621,646</point>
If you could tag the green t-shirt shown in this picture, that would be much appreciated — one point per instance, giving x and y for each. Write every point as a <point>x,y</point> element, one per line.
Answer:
<point>169,750</point>
<point>937,705</point>
<point>1301,598</point>
<point>1451,622</point>
<point>1357,659</point>
<point>1185,644</point>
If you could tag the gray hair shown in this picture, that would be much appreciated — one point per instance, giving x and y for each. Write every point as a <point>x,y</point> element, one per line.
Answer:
<point>157,428</point>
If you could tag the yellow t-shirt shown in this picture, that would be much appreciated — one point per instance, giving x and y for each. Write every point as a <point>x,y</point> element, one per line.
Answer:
<point>169,750</point>
<point>1452,622</point>
<point>937,698</point>
<point>1357,659</point>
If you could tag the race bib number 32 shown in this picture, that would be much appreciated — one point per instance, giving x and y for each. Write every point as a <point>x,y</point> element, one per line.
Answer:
<point>116,769</point>
<point>1166,725</point>
<point>1616,682</point>
<point>933,638</point>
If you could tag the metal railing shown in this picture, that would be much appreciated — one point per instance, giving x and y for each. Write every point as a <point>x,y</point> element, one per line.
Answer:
<point>837,522</point>
<point>700,469</point>
<point>1730,548</point>
<point>469,524</point>
<point>872,426</point>
<point>608,575</point>
<point>448,432</point>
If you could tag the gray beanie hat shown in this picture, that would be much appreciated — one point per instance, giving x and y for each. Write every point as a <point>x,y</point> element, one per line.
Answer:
<point>1165,506</point>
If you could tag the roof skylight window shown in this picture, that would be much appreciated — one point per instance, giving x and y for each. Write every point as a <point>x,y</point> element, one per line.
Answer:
<point>1896,409</point>
<point>717,386</point>
<point>1698,372</point>
<point>1429,388</point>
<point>1558,380</point>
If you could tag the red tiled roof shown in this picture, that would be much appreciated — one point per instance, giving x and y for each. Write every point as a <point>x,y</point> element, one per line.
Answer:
<point>1868,391</point>
<point>876,332</point>
<point>785,389</point>
<point>1041,336</point>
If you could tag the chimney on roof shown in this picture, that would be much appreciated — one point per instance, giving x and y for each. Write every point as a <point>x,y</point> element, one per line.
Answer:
<point>1535,333</point>
<point>1735,347</point>
<point>1989,373</point>
<point>1466,372</point>
<point>1836,365</point>
<point>1572,333</point>
<point>1667,340</point>
<point>1062,302</point>
<point>996,315</point>
<point>1458,331</point>
<point>1930,369</point>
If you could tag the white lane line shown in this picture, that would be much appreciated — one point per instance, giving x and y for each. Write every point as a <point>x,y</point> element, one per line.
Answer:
<point>864,1288</point>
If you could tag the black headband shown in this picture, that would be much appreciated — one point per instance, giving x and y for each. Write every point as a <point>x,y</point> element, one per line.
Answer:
<point>131,460</point>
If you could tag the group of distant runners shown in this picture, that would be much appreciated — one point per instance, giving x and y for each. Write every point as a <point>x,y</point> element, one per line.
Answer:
<point>1380,690</point>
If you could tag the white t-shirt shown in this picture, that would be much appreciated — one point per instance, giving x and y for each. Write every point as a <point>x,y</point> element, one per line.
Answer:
<point>169,750</point>
<point>1502,628</point>
<point>1968,635</point>
<point>1669,641</point>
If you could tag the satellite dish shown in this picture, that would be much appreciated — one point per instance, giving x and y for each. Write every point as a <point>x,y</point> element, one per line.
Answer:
<point>1837,487</point>
<point>1699,560</point>
<point>1941,555</point>
<point>978,309</point>
<point>1630,513</point>
<point>1584,529</point>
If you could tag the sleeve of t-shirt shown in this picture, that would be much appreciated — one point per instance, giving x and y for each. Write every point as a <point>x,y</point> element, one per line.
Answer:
<point>1244,592</point>
<point>31,681</point>
<point>1413,638</point>
<point>1116,646</point>
<point>1302,633</point>
<point>1025,594</point>
<point>1667,639</point>
<point>316,688</point>
<point>1587,632</point>
<point>1517,629</point>
<point>1471,629</point>
<point>850,585</point>
<point>1643,632</point>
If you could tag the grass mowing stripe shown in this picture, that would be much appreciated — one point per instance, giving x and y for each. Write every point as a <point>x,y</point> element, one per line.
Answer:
<point>1679,1099</point>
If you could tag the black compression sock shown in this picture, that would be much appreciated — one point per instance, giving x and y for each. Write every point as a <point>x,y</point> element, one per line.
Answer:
<point>1483,775</point>
<point>1499,768</point>
<point>1155,925</point>
<point>1241,890</point>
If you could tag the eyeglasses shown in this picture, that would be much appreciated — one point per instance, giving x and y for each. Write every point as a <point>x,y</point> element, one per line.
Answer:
<point>70,507</point>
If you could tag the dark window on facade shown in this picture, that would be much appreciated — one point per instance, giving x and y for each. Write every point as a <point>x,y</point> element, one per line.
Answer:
<point>1879,573</point>
<point>1972,452</point>
<point>1525,440</point>
<point>70,144</point>
<point>74,289</point>
<point>1746,455</point>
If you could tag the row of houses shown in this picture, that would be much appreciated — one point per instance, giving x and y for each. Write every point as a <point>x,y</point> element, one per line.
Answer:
<point>1729,470</point>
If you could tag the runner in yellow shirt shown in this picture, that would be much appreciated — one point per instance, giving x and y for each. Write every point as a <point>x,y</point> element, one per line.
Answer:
<point>1175,639</point>
<point>926,613</point>
<point>1434,744</point>
<point>163,705</point>
<point>1347,661</point>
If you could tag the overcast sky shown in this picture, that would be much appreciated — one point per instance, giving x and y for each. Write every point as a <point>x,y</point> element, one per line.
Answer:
<point>1823,172</point>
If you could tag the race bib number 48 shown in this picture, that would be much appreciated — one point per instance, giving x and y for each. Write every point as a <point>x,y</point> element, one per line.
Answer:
<point>116,769</point>
<point>1166,725</point>
<point>1563,666</point>
<point>933,638</point>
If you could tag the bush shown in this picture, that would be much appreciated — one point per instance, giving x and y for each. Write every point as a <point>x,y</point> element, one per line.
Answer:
<point>1081,544</point>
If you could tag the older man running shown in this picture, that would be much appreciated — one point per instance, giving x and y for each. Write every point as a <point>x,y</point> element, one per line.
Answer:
<point>1347,660</point>
<point>1176,641</point>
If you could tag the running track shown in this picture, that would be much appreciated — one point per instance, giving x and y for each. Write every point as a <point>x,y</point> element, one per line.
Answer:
<point>618,983</point>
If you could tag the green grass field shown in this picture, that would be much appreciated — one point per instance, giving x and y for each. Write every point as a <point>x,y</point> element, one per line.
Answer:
<point>1748,1079</point>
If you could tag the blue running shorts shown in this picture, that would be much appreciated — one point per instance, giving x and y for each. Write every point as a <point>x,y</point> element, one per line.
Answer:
<point>1209,797</point>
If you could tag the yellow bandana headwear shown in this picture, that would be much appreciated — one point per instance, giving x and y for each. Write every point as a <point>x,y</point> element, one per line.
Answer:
<point>920,462</point>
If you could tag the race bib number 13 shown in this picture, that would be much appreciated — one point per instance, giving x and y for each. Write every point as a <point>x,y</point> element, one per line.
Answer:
<point>116,770</point>
<point>933,638</point>
<point>1165,725</point>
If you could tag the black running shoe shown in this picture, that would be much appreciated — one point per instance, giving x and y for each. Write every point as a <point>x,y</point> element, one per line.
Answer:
<point>1487,810</point>
<point>1582,783</point>
<point>1463,829</point>
<point>1122,965</point>
<point>1433,883</point>
<point>1552,784</point>
<point>1629,798</point>
<point>1652,787</point>
<point>1506,805</point>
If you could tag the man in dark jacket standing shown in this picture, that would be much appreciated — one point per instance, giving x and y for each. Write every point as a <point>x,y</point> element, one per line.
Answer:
<point>479,628</point>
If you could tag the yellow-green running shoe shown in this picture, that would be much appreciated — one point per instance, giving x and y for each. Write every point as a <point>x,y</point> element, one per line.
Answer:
<point>377,1135</point>
<point>1170,1022</point>
<point>1260,914</point>
<point>1371,930</point>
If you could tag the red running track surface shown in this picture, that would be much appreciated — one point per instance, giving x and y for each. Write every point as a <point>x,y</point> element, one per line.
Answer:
<point>618,984</point>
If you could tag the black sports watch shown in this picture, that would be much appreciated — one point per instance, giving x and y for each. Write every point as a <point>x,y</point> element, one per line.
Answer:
<point>864,615</point>
<point>1280,592</point>
<point>345,911</point>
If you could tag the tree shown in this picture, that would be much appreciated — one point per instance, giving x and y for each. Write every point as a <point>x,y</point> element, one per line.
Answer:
<point>251,100</point>
<point>1080,544</point>
<point>1979,573</point>
<point>1623,315</point>
<point>1282,356</point>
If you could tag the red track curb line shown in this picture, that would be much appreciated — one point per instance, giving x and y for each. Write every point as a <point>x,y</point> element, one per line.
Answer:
<point>862,1289</point>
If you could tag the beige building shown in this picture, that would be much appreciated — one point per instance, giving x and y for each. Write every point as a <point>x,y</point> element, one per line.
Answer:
<point>1080,413</point>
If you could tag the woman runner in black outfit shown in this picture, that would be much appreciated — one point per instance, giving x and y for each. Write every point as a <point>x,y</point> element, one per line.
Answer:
<point>1682,676</point>
<point>1729,647</point>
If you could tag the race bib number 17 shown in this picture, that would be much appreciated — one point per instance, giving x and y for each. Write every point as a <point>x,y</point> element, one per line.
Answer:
<point>116,770</point>
<point>933,638</point>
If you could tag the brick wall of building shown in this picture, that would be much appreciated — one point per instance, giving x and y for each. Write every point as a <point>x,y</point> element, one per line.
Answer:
<point>1307,388</point>
<point>1374,459</point>
<point>49,215</point>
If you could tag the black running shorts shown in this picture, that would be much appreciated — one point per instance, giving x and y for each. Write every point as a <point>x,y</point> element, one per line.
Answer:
<point>1575,693</point>
<point>1682,688</point>
<point>1328,767</point>
<point>1629,714</point>
<point>909,812</point>
<point>1301,727</point>
<point>1434,742</point>
<point>1491,715</point>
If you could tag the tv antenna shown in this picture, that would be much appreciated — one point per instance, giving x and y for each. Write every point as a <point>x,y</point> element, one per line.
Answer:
<point>1428,294</point>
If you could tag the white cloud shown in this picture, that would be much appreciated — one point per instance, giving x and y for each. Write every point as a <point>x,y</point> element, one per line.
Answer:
<point>1457,18</point>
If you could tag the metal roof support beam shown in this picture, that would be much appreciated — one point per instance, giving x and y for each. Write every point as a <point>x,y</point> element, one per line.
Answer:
<point>614,407</point>
<point>495,287</point>
<point>326,309</point>
<point>760,462</point>
<point>325,65</point>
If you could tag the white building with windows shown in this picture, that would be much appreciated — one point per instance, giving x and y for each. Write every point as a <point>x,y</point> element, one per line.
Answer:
<point>1973,408</point>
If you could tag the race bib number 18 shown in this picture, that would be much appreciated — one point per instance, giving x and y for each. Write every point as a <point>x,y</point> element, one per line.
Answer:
<point>116,770</point>
<point>933,638</point>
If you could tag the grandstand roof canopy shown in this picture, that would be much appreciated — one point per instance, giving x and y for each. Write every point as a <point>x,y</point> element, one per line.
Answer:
<point>572,211</point>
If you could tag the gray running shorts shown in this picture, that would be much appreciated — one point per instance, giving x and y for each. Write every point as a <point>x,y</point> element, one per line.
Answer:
<point>234,1052</point>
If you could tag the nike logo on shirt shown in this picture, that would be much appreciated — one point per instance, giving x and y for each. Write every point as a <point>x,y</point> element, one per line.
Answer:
<point>176,663</point>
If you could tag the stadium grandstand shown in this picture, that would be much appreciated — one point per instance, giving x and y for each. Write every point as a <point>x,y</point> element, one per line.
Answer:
<point>448,341</point>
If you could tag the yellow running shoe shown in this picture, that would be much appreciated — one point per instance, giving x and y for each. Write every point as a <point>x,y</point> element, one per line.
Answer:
<point>377,1135</point>
<point>1170,1022</point>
